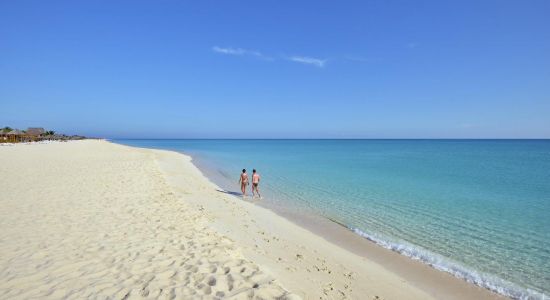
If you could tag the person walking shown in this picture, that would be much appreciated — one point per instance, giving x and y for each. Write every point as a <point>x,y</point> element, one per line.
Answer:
<point>255,183</point>
<point>243,180</point>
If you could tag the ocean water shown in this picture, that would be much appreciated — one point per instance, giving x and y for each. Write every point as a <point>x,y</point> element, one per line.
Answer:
<point>479,209</point>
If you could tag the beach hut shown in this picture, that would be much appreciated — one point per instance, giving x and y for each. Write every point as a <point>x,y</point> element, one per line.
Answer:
<point>35,133</point>
<point>14,136</point>
<point>4,134</point>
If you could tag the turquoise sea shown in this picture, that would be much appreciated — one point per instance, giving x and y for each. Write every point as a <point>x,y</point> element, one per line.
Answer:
<point>479,209</point>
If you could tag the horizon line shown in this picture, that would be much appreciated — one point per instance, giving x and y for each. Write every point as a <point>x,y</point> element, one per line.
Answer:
<point>145,138</point>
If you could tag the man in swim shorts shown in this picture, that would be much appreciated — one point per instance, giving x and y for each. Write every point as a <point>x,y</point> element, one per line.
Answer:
<point>255,183</point>
<point>243,180</point>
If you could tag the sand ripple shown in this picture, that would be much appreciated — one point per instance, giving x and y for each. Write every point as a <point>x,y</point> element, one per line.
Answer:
<point>103,223</point>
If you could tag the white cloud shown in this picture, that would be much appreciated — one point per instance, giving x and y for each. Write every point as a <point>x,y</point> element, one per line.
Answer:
<point>308,60</point>
<point>239,51</point>
<point>244,52</point>
<point>232,51</point>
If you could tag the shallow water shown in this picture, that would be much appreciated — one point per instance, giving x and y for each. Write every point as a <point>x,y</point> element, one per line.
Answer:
<point>479,209</point>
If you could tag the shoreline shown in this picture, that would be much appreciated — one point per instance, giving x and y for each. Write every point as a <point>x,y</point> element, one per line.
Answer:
<point>438,284</point>
<point>304,262</point>
<point>336,232</point>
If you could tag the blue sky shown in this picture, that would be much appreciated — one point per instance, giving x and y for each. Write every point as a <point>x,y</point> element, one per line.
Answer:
<point>277,69</point>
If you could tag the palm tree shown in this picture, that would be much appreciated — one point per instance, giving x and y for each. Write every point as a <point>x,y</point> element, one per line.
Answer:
<point>7,129</point>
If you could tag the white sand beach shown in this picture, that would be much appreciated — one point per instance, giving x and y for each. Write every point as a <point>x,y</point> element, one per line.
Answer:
<point>96,219</point>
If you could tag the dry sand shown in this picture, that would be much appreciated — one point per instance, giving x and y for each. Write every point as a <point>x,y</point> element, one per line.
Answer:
<point>95,219</point>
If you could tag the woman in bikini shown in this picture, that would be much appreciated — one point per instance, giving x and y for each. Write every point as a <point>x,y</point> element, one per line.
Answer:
<point>243,180</point>
<point>255,182</point>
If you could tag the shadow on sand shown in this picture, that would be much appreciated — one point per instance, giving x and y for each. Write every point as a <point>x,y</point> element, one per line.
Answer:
<point>230,193</point>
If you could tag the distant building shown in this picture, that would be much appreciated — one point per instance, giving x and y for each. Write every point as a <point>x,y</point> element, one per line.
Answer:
<point>4,136</point>
<point>12,136</point>
<point>33,134</point>
<point>35,131</point>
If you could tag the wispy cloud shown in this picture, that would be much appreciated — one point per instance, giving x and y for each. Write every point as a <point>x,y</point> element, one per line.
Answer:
<point>308,61</point>
<point>231,51</point>
<point>239,51</point>
<point>245,52</point>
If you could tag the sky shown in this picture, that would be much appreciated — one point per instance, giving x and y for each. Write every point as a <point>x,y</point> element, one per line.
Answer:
<point>277,69</point>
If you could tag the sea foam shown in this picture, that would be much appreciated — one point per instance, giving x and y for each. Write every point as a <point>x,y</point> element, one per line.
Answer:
<point>438,262</point>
